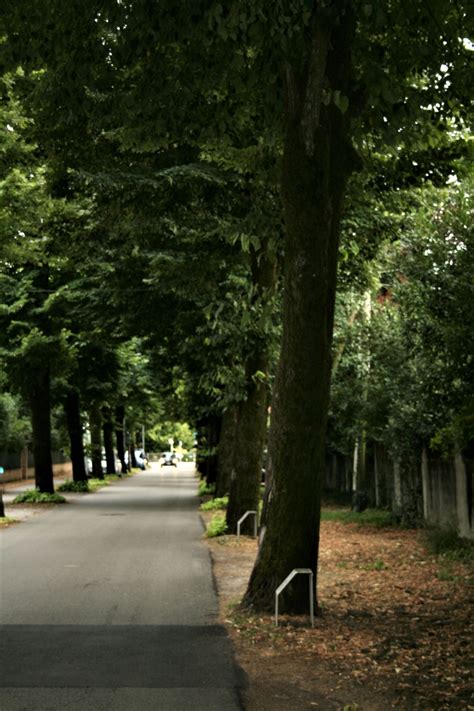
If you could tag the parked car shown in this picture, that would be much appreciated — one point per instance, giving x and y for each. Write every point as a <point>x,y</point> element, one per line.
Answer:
<point>140,458</point>
<point>88,465</point>
<point>169,459</point>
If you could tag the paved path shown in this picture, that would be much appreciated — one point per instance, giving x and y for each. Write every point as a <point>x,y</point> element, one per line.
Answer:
<point>108,603</point>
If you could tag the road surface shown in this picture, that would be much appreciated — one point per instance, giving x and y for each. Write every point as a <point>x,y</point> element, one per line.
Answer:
<point>108,603</point>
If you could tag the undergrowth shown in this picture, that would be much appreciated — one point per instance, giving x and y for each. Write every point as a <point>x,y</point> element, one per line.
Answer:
<point>369,517</point>
<point>447,543</point>
<point>74,486</point>
<point>205,488</point>
<point>215,504</point>
<point>217,526</point>
<point>34,496</point>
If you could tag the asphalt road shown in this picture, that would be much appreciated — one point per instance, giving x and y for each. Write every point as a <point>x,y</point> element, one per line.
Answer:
<point>108,603</point>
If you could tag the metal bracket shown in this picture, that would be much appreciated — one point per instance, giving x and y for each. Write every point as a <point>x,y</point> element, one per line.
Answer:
<point>287,580</point>
<point>247,513</point>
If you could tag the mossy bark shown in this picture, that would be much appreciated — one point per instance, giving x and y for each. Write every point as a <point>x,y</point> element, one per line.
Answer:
<point>74,426</point>
<point>316,166</point>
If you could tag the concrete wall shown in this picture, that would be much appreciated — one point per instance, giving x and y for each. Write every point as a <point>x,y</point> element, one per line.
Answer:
<point>20,466</point>
<point>429,487</point>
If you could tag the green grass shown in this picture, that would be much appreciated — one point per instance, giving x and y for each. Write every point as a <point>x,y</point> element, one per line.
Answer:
<point>34,496</point>
<point>369,517</point>
<point>74,486</point>
<point>215,504</point>
<point>6,520</point>
<point>375,565</point>
<point>446,543</point>
<point>217,526</point>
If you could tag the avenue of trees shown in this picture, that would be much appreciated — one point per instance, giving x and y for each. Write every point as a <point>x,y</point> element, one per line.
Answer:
<point>207,207</point>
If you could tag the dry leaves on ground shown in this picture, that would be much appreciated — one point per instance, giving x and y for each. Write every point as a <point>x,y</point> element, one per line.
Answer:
<point>395,629</point>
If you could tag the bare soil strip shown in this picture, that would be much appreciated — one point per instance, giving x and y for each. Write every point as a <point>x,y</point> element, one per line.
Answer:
<point>395,629</point>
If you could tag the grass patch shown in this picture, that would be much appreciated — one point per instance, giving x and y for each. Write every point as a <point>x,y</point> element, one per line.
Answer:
<point>446,542</point>
<point>375,565</point>
<point>6,521</point>
<point>95,484</point>
<point>217,526</point>
<point>369,517</point>
<point>215,504</point>
<point>447,574</point>
<point>34,496</point>
<point>74,486</point>
<point>206,489</point>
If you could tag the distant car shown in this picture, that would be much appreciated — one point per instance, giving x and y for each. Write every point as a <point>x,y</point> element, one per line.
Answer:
<point>140,458</point>
<point>169,459</point>
<point>103,462</point>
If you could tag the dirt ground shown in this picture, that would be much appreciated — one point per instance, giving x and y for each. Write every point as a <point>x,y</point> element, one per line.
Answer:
<point>395,629</point>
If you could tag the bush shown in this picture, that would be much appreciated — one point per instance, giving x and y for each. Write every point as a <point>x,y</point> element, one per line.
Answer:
<point>217,526</point>
<point>215,504</point>
<point>205,488</point>
<point>34,496</point>
<point>447,543</point>
<point>74,486</point>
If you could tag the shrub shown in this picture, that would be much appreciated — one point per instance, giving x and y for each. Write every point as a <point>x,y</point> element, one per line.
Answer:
<point>205,488</point>
<point>34,496</point>
<point>217,526</point>
<point>215,504</point>
<point>77,486</point>
<point>447,543</point>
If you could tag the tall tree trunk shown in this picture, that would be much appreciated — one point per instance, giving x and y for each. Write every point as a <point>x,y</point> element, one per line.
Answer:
<point>120,436</point>
<point>225,454</point>
<point>248,449</point>
<point>316,164</point>
<point>95,424</point>
<point>131,450</point>
<point>253,411</point>
<point>397,502</point>
<point>208,464</point>
<point>463,497</point>
<point>108,433</point>
<point>74,426</point>
<point>425,483</point>
<point>40,403</point>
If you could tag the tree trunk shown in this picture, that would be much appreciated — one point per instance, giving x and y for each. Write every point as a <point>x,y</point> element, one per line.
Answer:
<point>210,429</point>
<point>247,461</point>
<point>397,503</point>
<point>463,502</point>
<point>2,508</point>
<point>244,494</point>
<point>316,164</point>
<point>74,426</point>
<point>41,424</point>
<point>108,433</point>
<point>225,453</point>
<point>95,424</point>
<point>378,497</point>
<point>120,436</point>
<point>131,451</point>
<point>425,482</point>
